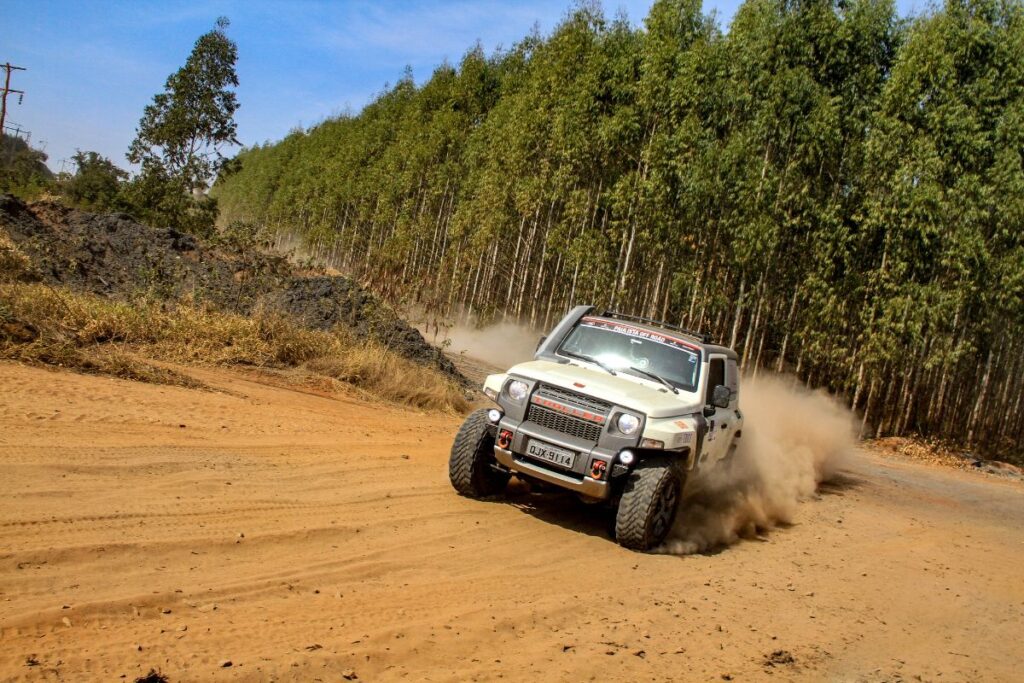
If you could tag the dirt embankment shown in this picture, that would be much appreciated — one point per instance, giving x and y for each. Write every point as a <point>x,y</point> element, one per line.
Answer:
<point>114,255</point>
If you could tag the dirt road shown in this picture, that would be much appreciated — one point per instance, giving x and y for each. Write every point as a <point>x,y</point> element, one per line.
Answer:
<point>304,537</point>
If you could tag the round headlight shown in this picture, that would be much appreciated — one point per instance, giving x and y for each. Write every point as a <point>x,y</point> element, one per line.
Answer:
<point>628,423</point>
<point>517,390</point>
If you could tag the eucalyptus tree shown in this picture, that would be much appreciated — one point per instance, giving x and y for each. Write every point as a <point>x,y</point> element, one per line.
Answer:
<point>183,134</point>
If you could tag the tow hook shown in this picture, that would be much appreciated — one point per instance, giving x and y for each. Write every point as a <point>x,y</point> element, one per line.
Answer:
<point>504,439</point>
<point>598,469</point>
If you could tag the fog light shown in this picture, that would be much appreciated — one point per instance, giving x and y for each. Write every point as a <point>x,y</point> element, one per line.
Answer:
<point>494,415</point>
<point>627,457</point>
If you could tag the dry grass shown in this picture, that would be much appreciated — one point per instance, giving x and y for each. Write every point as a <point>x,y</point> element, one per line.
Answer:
<point>43,325</point>
<point>945,454</point>
<point>930,452</point>
<point>14,264</point>
<point>391,377</point>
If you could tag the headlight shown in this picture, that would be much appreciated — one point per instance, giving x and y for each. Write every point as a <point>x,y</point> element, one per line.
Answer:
<point>628,423</point>
<point>517,390</point>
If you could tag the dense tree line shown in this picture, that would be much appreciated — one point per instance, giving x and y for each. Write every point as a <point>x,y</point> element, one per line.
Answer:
<point>831,189</point>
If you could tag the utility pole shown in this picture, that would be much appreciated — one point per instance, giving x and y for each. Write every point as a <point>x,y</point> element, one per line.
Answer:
<point>8,67</point>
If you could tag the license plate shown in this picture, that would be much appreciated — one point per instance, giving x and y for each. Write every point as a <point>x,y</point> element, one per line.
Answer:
<point>553,454</point>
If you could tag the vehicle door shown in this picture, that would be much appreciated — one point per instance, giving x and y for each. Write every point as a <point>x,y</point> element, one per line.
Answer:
<point>723,423</point>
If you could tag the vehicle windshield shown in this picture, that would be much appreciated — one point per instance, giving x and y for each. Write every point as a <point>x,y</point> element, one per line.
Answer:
<point>626,348</point>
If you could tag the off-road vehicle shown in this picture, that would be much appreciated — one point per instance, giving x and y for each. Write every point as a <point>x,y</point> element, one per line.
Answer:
<point>616,408</point>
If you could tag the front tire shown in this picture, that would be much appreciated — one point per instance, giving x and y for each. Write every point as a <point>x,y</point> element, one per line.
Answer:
<point>469,466</point>
<point>648,505</point>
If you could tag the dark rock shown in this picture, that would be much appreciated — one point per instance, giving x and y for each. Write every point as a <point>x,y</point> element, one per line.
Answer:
<point>778,658</point>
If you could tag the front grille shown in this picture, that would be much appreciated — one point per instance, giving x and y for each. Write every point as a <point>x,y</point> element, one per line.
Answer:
<point>578,400</point>
<point>573,426</point>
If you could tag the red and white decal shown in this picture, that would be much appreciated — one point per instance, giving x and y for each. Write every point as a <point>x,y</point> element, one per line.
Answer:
<point>638,332</point>
<point>569,410</point>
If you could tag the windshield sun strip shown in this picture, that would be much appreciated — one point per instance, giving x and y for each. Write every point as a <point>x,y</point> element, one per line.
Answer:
<point>609,326</point>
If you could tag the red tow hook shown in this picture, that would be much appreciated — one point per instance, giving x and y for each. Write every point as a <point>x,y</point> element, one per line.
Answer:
<point>598,469</point>
<point>504,439</point>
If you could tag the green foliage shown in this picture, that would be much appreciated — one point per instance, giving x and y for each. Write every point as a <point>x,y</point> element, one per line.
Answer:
<point>242,237</point>
<point>96,183</point>
<point>182,135</point>
<point>23,170</point>
<point>831,190</point>
<point>160,199</point>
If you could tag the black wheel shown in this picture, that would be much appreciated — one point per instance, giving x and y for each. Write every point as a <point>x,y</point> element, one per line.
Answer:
<point>469,466</point>
<point>648,505</point>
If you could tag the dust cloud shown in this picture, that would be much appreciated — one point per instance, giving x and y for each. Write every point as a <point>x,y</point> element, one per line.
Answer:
<point>501,344</point>
<point>793,439</point>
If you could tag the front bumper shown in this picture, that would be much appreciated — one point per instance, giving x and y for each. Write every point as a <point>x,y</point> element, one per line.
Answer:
<point>592,488</point>
<point>578,479</point>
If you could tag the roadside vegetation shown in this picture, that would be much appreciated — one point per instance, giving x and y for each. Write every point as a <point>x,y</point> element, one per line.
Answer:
<point>44,325</point>
<point>58,326</point>
<point>23,168</point>
<point>833,190</point>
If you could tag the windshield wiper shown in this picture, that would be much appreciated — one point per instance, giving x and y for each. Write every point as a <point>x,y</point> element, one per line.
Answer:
<point>657,377</point>
<point>590,359</point>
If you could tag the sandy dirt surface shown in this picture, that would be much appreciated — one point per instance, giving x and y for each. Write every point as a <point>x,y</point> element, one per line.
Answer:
<point>304,537</point>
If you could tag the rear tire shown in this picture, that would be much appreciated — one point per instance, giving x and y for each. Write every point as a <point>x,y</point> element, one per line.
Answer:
<point>648,505</point>
<point>469,466</point>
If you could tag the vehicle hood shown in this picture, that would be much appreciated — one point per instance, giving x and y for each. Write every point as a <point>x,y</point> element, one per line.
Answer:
<point>636,393</point>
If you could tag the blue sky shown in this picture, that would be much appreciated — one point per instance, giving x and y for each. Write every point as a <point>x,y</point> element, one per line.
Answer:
<point>93,66</point>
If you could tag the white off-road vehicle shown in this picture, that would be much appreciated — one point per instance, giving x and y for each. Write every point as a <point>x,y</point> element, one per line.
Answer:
<point>616,408</point>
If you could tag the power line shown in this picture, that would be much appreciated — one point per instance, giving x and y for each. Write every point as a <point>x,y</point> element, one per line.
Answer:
<point>8,67</point>
<point>15,131</point>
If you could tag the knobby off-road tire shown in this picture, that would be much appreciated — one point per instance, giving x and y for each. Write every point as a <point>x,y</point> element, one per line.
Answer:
<point>648,505</point>
<point>469,466</point>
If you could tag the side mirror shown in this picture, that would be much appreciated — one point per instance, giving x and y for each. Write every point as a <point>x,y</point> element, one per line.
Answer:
<point>540,343</point>
<point>720,396</point>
